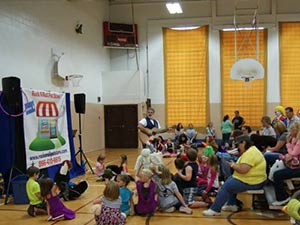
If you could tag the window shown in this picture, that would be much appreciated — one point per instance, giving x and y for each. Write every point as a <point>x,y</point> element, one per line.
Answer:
<point>289,64</point>
<point>250,101</point>
<point>185,55</point>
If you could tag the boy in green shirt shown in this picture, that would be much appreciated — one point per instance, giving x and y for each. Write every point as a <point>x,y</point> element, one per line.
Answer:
<point>37,205</point>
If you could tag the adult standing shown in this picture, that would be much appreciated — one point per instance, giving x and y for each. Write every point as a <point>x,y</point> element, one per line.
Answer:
<point>249,174</point>
<point>146,126</point>
<point>237,120</point>
<point>226,128</point>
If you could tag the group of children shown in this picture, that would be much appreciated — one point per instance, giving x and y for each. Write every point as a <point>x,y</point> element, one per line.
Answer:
<point>156,188</point>
<point>44,197</point>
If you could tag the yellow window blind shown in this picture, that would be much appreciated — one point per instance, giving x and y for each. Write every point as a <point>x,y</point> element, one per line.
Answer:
<point>290,64</point>
<point>250,101</point>
<point>185,60</point>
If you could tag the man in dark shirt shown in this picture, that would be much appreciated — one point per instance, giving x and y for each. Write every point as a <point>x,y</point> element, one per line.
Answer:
<point>237,120</point>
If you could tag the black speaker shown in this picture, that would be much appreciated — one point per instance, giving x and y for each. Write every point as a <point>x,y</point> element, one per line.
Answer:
<point>79,101</point>
<point>11,90</point>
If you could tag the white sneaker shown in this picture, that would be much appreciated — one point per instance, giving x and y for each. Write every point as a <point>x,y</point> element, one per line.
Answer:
<point>231,208</point>
<point>283,202</point>
<point>210,212</point>
<point>170,210</point>
<point>185,210</point>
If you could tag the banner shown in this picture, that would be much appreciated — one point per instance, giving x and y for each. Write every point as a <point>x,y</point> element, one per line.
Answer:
<point>45,128</point>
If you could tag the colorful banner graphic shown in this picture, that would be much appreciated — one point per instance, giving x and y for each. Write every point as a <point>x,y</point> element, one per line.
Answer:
<point>45,128</point>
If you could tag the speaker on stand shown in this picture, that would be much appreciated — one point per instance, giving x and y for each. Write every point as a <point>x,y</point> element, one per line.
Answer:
<point>79,102</point>
<point>12,107</point>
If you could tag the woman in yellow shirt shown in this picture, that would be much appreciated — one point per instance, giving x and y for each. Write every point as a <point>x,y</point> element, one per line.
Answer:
<point>249,174</point>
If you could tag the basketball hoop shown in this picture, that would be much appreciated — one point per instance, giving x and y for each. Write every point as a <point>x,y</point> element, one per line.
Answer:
<point>247,81</point>
<point>75,79</point>
<point>247,70</point>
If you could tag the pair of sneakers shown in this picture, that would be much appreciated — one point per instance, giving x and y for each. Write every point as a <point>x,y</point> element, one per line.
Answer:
<point>182,209</point>
<point>186,210</point>
<point>231,208</point>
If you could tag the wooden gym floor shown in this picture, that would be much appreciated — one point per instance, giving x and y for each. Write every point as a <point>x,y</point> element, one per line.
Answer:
<point>17,214</point>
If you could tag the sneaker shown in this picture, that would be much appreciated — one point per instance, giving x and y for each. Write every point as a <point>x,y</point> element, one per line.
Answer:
<point>283,202</point>
<point>231,208</point>
<point>186,210</point>
<point>31,211</point>
<point>100,179</point>
<point>210,212</point>
<point>170,210</point>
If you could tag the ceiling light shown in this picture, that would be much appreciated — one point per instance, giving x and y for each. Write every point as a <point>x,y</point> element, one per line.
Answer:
<point>243,28</point>
<point>185,28</point>
<point>174,7</point>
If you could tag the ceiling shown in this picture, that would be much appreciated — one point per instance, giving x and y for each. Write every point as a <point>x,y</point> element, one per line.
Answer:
<point>120,2</point>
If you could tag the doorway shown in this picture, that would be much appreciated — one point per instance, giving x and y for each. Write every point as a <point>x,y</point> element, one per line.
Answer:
<point>121,126</point>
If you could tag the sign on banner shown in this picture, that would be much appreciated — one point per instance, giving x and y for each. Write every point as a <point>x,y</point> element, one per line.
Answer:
<point>45,128</point>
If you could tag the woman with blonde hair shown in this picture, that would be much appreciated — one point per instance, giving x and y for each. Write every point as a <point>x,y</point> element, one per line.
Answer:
<point>292,161</point>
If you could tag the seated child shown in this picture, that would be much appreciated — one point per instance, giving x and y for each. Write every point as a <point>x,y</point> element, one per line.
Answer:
<point>169,197</point>
<point>189,179</point>
<point>37,205</point>
<point>127,205</point>
<point>109,212</point>
<point>212,179</point>
<point>145,187</point>
<point>100,167</point>
<point>202,169</point>
<point>179,164</point>
<point>169,149</point>
<point>56,209</point>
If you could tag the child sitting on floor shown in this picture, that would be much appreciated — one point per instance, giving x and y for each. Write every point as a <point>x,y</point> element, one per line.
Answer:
<point>100,167</point>
<point>37,205</point>
<point>109,212</point>
<point>127,205</point>
<point>56,209</point>
<point>145,187</point>
<point>169,197</point>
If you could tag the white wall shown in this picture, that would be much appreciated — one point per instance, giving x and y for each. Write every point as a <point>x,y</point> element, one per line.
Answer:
<point>32,32</point>
<point>217,14</point>
<point>123,87</point>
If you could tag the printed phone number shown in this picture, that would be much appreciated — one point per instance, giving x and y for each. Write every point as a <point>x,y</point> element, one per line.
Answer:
<point>49,161</point>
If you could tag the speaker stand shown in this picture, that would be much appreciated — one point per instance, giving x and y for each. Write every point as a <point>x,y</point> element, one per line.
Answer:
<point>80,151</point>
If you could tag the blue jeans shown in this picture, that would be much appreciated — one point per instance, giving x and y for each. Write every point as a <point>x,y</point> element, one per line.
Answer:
<point>224,167</point>
<point>279,177</point>
<point>270,158</point>
<point>229,190</point>
<point>225,138</point>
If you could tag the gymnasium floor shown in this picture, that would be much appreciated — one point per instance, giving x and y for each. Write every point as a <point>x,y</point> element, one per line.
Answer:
<point>16,214</point>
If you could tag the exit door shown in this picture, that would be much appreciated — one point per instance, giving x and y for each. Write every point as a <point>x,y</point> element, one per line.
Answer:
<point>121,126</point>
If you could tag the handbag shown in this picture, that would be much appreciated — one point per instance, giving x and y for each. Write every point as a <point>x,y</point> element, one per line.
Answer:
<point>293,163</point>
<point>278,165</point>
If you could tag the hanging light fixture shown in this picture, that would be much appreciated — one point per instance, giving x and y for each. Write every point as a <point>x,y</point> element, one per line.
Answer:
<point>174,7</point>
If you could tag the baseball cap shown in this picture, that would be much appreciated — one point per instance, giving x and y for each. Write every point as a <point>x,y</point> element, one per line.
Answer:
<point>242,138</point>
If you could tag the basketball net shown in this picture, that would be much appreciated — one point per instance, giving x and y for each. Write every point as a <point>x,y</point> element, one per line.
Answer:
<point>73,79</point>
<point>247,81</point>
